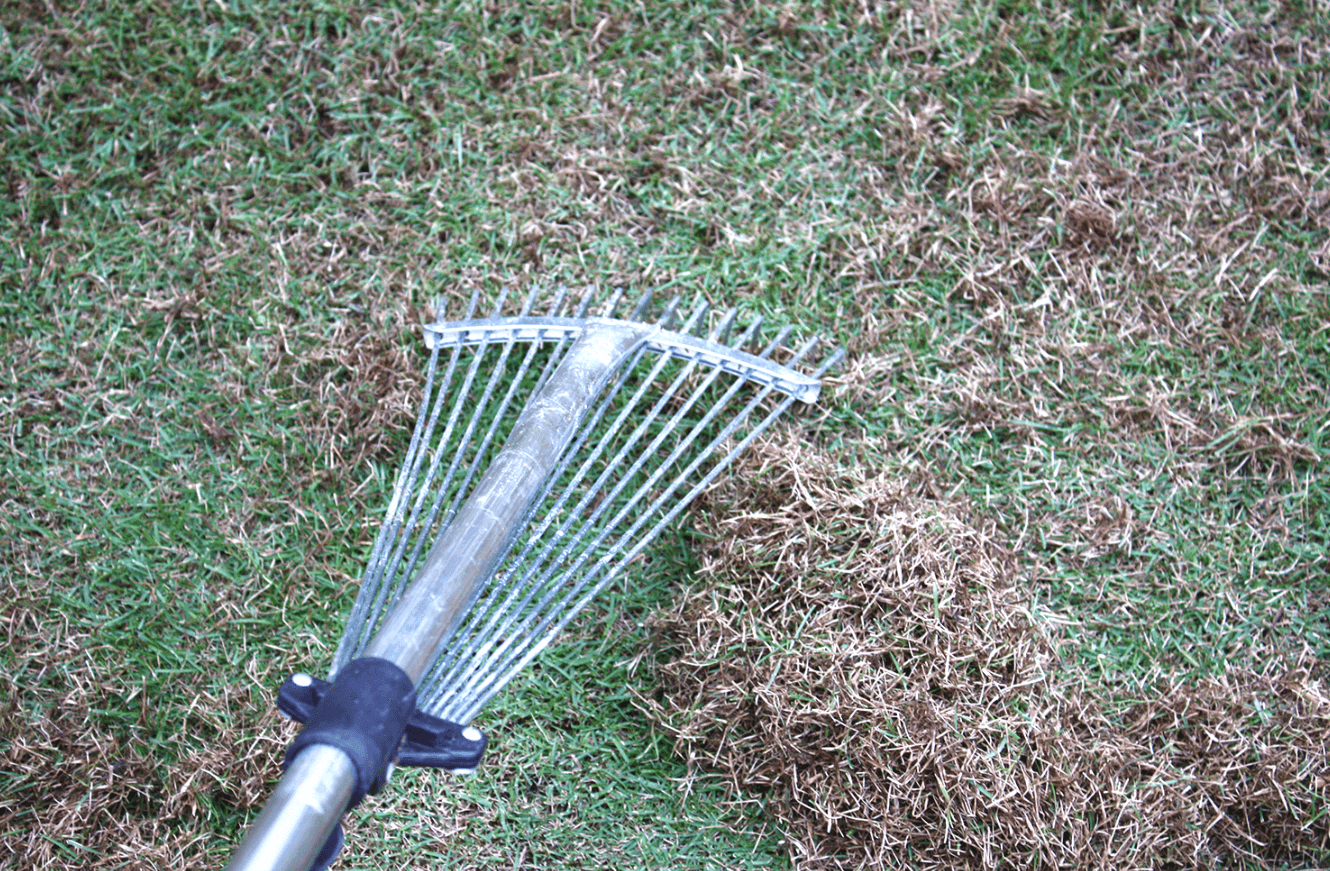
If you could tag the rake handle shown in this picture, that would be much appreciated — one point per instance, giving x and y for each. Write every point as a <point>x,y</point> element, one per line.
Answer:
<point>302,812</point>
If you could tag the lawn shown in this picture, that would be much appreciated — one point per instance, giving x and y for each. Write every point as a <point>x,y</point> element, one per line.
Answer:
<point>1078,255</point>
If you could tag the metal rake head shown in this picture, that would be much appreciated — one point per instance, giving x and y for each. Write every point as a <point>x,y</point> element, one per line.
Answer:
<point>676,405</point>
<point>549,451</point>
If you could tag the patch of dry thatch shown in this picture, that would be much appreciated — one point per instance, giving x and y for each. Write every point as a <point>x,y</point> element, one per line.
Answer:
<point>81,793</point>
<point>868,657</point>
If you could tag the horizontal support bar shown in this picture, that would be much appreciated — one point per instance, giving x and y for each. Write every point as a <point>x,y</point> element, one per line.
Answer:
<point>782,379</point>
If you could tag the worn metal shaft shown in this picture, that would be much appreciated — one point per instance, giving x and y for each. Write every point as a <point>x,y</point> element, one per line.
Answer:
<point>300,815</point>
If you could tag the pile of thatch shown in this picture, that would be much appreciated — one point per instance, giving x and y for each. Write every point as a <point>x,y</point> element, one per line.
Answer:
<point>69,784</point>
<point>869,658</point>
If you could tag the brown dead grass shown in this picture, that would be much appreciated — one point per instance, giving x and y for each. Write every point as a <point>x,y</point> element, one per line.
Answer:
<point>85,791</point>
<point>363,389</point>
<point>869,658</point>
<point>118,801</point>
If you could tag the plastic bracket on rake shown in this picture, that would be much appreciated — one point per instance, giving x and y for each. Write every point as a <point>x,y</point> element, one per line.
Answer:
<point>429,742</point>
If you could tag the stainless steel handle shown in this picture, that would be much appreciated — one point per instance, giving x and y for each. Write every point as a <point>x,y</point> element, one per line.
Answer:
<point>309,800</point>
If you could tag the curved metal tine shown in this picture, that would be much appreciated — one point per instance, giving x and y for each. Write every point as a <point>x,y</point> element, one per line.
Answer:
<point>500,597</point>
<point>588,296</point>
<point>392,537</point>
<point>369,601</point>
<point>644,305</point>
<point>776,341</point>
<point>473,303</point>
<point>447,661</point>
<point>527,303</point>
<point>438,517</point>
<point>832,360</point>
<point>502,623</point>
<point>551,365</point>
<point>579,593</point>
<point>491,590</point>
<point>479,458</point>
<point>497,372</point>
<point>556,304</point>
<point>587,299</point>
<point>495,589</point>
<point>538,637</point>
<point>724,337</point>
<point>603,572</point>
<point>500,300</point>
<point>427,485</point>
<point>510,591</point>
<point>612,306</point>
<point>515,383</point>
<point>667,316</point>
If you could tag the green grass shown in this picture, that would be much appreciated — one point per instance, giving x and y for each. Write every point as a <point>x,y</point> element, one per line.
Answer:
<point>208,204</point>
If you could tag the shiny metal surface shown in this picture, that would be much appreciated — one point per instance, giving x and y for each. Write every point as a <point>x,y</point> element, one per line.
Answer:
<point>309,800</point>
<point>679,345</point>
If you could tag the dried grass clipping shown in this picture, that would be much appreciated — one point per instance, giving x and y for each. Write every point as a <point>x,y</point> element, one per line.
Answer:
<point>868,659</point>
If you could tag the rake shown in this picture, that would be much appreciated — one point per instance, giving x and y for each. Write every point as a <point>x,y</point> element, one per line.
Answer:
<point>548,452</point>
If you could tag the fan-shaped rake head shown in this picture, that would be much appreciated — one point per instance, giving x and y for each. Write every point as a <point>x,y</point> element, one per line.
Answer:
<point>549,451</point>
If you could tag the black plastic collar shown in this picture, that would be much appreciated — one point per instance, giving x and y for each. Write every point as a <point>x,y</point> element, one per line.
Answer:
<point>364,714</point>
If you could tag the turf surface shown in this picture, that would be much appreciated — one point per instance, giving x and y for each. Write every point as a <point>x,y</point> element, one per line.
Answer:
<point>1078,253</point>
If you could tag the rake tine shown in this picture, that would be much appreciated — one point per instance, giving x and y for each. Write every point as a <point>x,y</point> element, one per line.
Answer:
<point>612,307</point>
<point>529,301</point>
<point>644,305</point>
<point>547,628</point>
<point>624,414</point>
<point>498,303</point>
